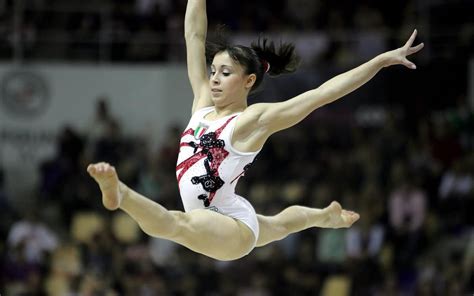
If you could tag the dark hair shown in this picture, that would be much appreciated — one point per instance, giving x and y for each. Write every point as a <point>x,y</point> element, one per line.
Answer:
<point>256,58</point>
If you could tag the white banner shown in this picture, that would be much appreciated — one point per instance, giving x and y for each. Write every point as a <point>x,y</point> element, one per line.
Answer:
<point>36,101</point>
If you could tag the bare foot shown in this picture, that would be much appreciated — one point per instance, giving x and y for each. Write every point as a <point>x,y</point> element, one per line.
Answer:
<point>338,217</point>
<point>106,176</point>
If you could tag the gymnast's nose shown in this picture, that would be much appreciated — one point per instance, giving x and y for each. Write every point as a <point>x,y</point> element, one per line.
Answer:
<point>215,79</point>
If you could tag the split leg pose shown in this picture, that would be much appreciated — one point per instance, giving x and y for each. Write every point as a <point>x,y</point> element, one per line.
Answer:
<point>223,137</point>
<point>207,232</point>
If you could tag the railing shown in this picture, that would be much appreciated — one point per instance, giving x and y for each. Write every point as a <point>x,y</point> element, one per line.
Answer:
<point>97,34</point>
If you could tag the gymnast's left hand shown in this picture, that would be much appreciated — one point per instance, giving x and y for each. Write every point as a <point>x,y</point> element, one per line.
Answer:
<point>399,55</point>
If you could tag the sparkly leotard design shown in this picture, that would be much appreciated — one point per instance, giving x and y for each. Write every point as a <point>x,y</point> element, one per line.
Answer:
<point>209,168</point>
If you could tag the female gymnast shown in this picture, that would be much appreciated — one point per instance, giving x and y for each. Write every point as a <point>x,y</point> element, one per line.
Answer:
<point>223,137</point>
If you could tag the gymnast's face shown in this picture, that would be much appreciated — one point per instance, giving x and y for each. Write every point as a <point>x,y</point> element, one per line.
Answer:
<point>228,81</point>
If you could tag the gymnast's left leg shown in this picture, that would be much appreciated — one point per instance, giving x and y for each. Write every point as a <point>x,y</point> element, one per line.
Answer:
<point>203,231</point>
<point>297,218</point>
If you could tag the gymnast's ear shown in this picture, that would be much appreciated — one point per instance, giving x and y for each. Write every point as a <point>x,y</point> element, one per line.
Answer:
<point>250,81</point>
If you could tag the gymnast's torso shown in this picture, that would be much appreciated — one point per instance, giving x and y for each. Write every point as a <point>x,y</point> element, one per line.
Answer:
<point>208,167</point>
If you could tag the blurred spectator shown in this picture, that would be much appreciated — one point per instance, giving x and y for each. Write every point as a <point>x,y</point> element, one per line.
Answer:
<point>64,271</point>
<point>64,164</point>
<point>142,50</point>
<point>459,118</point>
<point>174,32</point>
<point>370,31</point>
<point>407,208</point>
<point>21,276</point>
<point>59,175</point>
<point>119,35</point>
<point>456,191</point>
<point>108,148</point>
<point>145,7</point>
<point>98,253</point>
<point>389,287</point>
<point>407,202</point>
<point>70,146</point>
<point>35,238</point>
<point>302,19</point>
<point>445,144</point>
<point>84,41</point>
<point>457,182</point>
<point>331,249</point>
<point>26,35</point>
<point>468,261</point>
<point>163,253</point>
<point>422,162</point>
<point>364,244</point>
<point>101,121</point>
<point>3,195</point>
<point>151,180</point>
<point>5,208</point>
<point>103,135</point>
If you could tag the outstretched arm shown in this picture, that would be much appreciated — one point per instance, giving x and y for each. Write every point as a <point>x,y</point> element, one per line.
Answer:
<point>195,31</point>
<point>278,116</point>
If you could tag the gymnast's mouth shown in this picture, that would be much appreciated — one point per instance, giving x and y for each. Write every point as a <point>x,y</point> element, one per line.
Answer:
<point>216,90</point>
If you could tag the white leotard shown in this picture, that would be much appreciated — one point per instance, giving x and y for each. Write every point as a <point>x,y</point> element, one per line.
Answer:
<point>209,168</point>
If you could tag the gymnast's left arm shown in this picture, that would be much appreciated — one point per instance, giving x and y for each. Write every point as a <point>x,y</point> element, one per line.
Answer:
<point>278,116</point>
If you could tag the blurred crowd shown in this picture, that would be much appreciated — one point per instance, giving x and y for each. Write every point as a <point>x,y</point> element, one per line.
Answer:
<point>412,185</point>
<point>152,30</point>
<point>406,165</point>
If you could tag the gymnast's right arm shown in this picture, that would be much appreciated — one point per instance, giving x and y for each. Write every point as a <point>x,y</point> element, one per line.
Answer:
<point>195,31</point>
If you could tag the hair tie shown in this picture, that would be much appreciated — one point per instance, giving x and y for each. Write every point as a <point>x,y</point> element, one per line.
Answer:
<point>266,66</point>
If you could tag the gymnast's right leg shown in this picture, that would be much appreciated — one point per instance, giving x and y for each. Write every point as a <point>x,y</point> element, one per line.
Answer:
<point>203,231</point>
<point>297,218</point>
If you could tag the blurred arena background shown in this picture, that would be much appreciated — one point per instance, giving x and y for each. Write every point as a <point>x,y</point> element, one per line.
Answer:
<point>105,80</point>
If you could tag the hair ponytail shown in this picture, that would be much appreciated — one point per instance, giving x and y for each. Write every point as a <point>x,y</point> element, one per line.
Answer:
<point>281,60</point>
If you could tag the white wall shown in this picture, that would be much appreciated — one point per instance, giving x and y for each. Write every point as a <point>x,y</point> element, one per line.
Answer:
<point>145,99</point>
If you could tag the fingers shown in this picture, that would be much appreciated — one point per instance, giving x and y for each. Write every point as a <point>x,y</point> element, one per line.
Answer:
<point>412,39</point>
<point>411,50</point>
<point>409,64</point>
<point>415,49</point>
